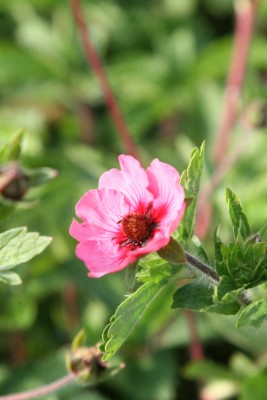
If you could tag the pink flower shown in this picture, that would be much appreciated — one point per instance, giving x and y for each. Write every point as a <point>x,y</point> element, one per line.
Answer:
<point>133,212</point>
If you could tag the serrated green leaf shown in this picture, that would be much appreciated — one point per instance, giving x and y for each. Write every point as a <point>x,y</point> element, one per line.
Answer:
<point>253,314</point>
<point>190,180</point>
<point>244,263</point>
<point>155,269</point>
<point>194,296</point>
<point>127,316</point>
<point>217,246</point>
<point>11,150</point>
<point>237,215</point>
<point>226,307</point>
<point>18,246</point>
<point>10,278</point>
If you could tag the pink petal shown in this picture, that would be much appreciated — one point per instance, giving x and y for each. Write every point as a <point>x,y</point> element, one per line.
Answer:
<point>168,205</point>
<point>103,257</point>
<point>160,239</point>
<point>103,208</point>
<point>132,181</point>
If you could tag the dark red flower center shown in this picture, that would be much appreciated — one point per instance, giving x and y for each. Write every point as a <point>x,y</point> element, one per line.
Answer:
<point>137,228</point>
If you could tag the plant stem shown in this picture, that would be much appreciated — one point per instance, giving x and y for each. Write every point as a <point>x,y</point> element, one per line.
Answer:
<point>98,69</point>
<point>202,267</point>
<point>212,274</point>
<point>245,16</point>
<point>196,350</point>
<point>41,391</point>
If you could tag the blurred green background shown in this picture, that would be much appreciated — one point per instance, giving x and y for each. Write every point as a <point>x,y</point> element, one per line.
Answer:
<point>167,62</point>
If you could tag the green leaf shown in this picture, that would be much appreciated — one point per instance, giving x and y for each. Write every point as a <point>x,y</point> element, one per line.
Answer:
<point>78,340</point>
<point>200,250</point>
<point>155,269</point>
<point>127,316</point>
<point>6,209</point>
<point>253,314</point>
<point>194,296</point>
<point>226,285</point>
<point>18,246</point>
<point>207,371</point>
<point>198,297</point>
<point>237,215</point>
<point>190,180</point>
<point>10,150</point>
<point>255,388</point>
<point>245,263</point>
<point>39,176</point>
<point>10,278</point>
<point>225,307</point>
<point>217,246</point>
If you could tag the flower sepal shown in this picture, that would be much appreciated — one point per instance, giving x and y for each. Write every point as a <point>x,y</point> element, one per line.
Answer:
<point>173,252</point>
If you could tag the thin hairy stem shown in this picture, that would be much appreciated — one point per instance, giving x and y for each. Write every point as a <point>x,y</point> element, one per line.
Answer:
<point>98,69</point>
<point>202,267</point>
<point>212,275</point>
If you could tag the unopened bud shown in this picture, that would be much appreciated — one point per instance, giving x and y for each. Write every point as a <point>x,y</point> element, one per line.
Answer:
<point>14,183</point>
<point>86,364</point>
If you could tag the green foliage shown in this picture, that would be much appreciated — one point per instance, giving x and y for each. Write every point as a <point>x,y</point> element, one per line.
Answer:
<point>207,370</point>
<point>168,73</point>
<point>156,269</point>
<point>253,314</point>
<point>255,388</point>
<point>190,180</point>
<point>245,263</point>
<point>238,217</point>
<point>194,296</point>
<point>128,314</point>
<point>10,278</point>
<point>199,297</point>
<point>242,378</point>
<point>39,176</point>
<point>10,150</point>
<point>18,246</point>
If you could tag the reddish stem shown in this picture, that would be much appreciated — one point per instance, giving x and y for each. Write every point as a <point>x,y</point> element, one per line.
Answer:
<point>245,16</point>
<point>99,71</point>
<point>196,350</point>
<point>41,391</point>
<point>70,302</point>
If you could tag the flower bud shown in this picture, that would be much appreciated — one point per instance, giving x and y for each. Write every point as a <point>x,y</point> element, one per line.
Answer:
<point>14,183</point>
<point>86,364</point>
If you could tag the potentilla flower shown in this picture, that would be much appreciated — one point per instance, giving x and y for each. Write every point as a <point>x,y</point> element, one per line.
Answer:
<point>132,213</point>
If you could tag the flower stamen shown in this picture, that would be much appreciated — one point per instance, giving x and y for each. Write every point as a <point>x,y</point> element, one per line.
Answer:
<point>138,228</point>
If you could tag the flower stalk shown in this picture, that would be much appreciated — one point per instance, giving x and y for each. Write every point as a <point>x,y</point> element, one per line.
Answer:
<point>202,267</point>
<point>99,71</point>
<point>41,391</point>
